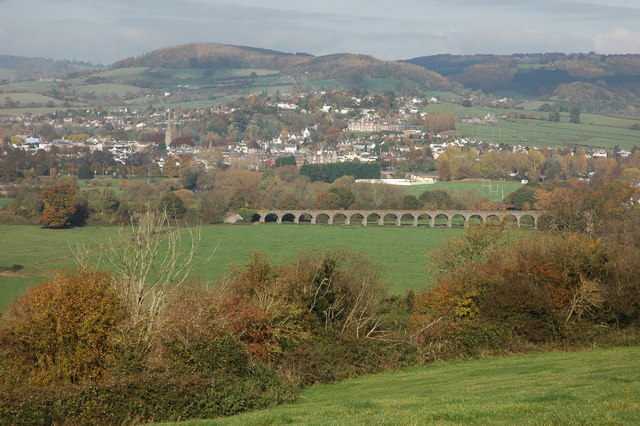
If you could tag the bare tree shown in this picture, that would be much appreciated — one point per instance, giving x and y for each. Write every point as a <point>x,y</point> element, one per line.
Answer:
<point>151,261</point>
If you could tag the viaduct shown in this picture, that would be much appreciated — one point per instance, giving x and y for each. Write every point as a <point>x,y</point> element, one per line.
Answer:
<point>431,218</point>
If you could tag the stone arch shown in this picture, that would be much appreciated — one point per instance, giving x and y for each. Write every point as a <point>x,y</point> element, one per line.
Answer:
<point>527,221</point>
<point>340,219</point>
<point>271,217</point>
<point>441,219</point>
<point>458,220</point>
<point>510,220</point>
<point>390,219</point>
<point>544,221</point>
<point>305,218</point>
<point>323,218</point>
<point>475,219</point>
<point>374,219</point>
<point>256,218</point>
<point>424,219</point>
<point>492,220</point>
<point>356,219</point>
<point>408,219</point>
<point>289,218</point>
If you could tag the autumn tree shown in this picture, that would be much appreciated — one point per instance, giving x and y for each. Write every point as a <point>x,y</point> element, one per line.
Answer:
<point>59,205</point>
<point>64,330</point>
<point>440,122</point>
<point>326,200</point>
<point>173,205</point>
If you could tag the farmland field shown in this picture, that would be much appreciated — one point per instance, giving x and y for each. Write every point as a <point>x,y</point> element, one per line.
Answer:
<point>29,97</point>
<point>595,130</point>
<point>595,387</point>
<point>110,88</point>
<point>401,252</point>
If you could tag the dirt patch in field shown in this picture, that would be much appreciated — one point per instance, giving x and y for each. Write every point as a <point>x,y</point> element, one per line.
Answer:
<point>13,274</point>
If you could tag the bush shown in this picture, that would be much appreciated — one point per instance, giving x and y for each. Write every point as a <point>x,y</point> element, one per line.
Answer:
<point>173,205</point>
<point>151,397</point>
<point>62,331</point>
<point>328,360</point>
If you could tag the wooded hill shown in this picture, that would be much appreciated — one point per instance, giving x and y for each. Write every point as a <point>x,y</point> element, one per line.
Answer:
<point>22,68</point>
<point>595,81</point>
<point>348,69</point>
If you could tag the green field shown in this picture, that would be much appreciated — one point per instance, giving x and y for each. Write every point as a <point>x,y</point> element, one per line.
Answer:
<point>492,190</point>
<point>122,73</point>
<point>110,88</point>
<point>29,86</point>
<point>319,84</point>
<point>575,388</point>
<point>595,130</point>
<point>402,252</point>
<point>231,73</point>
<point>29,97</point>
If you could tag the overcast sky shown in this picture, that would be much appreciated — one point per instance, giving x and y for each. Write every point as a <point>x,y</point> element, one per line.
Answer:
<point>109,30</point>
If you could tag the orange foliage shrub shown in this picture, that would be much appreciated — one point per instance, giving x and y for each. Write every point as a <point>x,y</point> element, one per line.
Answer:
<point>63,331</point>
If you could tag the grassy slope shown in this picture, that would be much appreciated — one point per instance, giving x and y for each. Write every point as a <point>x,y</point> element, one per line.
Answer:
<point>595,130</point>
<point>595,387</point>
<point>401,252</point>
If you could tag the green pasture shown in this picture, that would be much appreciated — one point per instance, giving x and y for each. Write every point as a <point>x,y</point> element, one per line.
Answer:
<point>532,105</point>
<point>491,190</point>
<point>28,97</point>
<point>5,201</point>
<point>547,133</point>
<point>574,388</point>
<point>28,87</point>
<point>320,84</point>
<point>401,252</point>
<point>183,73</point>
<point>595,130</point>
<point>231,73</point>
<point>122,73</point>
<point>110,88</point>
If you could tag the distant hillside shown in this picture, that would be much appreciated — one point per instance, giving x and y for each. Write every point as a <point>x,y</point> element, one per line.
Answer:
<point>22,68</point>
<point>213,55</point>
<point>349,69</point>
<point>353,69</point>
<point>618,76</point>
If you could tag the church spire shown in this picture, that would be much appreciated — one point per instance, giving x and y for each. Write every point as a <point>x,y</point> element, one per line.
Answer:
<point>168,135</point>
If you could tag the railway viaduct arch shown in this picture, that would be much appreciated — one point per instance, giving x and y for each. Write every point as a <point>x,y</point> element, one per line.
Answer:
<point>429,218</point>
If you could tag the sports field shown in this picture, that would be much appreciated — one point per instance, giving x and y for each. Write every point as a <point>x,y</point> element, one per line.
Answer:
<point>569,388</point>
<point>491,190</point>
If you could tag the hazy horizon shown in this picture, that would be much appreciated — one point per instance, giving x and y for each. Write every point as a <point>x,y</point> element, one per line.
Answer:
<point>105,32</point>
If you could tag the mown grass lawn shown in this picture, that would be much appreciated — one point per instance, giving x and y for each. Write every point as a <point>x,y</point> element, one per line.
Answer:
<point>401,252</point>
<point>491,190</point>
<point>575,388</point>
